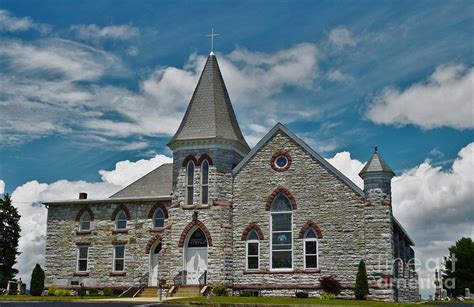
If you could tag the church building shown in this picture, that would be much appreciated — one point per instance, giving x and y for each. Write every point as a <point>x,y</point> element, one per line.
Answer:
<point>271,220</point>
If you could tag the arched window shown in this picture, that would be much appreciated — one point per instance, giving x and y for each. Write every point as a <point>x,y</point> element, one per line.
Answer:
<point>189,183</point>
<point>310,249</point>
<point>85,222</point>
<point>281,229</point>
<point>197,239</point>
<point>252,251</point>
<point>121,221</point>
<point>158,219</point>
<point>204,182</point>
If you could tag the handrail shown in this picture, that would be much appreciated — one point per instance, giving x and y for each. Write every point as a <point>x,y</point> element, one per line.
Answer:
<point>143,281</point>
<point>202,280</point>
<point>180,278</point>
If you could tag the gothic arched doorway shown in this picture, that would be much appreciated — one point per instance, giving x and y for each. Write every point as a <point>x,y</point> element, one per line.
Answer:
<point>195,256</point>
<point>154,261</point>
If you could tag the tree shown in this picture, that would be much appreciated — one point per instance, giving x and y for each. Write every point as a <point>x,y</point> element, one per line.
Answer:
<point>37,281</point>
<point>362,284</point>
<point>9,236</point>
<point>459,268</point>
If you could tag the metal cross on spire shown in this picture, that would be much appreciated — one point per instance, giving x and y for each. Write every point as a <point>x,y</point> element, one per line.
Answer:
<point>212,40</point>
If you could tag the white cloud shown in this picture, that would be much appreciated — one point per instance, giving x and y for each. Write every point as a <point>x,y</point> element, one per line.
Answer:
<point>341,37</point>
<point>444,100</point>
<point>10,23</point>
<point>126,172</point>
<point>45,86</point>
<point>95,33</point>
<point>339,76</point>
<point>33,215</point>
<point>433,205</point>
<point>2,186</point>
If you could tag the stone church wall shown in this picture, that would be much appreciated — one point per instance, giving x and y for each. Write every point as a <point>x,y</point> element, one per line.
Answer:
<point>321,197</point>
<point>63,239</point>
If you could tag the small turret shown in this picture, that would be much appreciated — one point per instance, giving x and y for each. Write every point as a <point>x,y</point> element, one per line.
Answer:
<point>377,174</point>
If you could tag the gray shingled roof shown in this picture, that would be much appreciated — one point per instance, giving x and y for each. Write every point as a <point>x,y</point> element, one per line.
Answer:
<point>158,182</point>
<point>376,164</point>
<point>210,114</point>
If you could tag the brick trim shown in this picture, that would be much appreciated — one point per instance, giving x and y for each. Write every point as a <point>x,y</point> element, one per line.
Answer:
<point>82,210</point>
<point>124,231</point>
<point>119,242</point>
<point>276,155</point>
<point>83,233</point>
<point>277,191</point>
<point>80,274</point>
<point>275,286</point>
<point>204,157</point>
<point>189,158</point>
<point>83,243</point>
<point>158,206</point>
<point>189,227</point>
<point>151,242</point>
<point>118,209</point>
<point>117,274</point>
<point>295,271</point>
<point>310,224</point>
<point>222,202</point>
<point>249,228</point>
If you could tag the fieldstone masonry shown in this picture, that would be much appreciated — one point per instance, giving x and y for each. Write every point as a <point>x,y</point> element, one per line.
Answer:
<point>350,224</point>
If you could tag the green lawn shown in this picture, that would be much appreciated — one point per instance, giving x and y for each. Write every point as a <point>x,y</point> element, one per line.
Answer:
<point>283,301</point>
<point>50,298</point>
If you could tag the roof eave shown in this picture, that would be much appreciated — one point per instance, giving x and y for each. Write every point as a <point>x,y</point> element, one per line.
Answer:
<point>106,200</point>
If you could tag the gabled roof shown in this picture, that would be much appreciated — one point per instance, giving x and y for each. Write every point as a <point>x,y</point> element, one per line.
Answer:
<point>376,164</point>
<point>156,183</point>
<point>328,166</point>
<point>210,114</point>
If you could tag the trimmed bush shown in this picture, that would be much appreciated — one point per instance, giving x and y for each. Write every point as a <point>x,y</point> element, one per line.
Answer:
<point>37,281</point>
<point>94,292</point>
<point>302,294</point>
<point>361,289</point>
<point>52,290</point>
<point>220,290</point>
<point>108,292</point>
<point>327,296</point>
<point>330,285</point>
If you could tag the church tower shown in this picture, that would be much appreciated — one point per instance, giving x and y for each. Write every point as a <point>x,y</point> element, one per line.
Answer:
<point>379,228</point>
<point>207,145</point>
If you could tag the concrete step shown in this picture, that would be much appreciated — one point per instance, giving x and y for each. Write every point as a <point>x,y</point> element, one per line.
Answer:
<point>148,292</point>
<point>187,291</point>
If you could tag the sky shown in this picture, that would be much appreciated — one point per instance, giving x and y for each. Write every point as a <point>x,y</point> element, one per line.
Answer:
<point>92,91</point>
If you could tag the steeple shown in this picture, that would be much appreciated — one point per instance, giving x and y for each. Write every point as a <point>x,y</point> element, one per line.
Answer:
<point>377,174</point>
<point>210,116</point>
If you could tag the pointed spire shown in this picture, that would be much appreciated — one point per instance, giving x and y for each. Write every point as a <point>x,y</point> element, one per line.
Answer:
<point>210,114</point>
<point>376,165</point>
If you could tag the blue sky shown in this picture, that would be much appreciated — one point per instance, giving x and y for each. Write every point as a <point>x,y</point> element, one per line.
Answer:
<point>88,85</point>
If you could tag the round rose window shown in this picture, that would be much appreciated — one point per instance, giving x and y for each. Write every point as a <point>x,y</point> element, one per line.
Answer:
<point>281,161</point>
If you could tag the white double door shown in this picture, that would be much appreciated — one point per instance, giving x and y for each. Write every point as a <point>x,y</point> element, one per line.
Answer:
<point>195,264</point>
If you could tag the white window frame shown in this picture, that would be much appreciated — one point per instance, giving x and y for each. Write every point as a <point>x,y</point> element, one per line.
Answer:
<point>117,220</point>
<point>154,218</point>
<point>247,242</point>
<point>115,258</point>
<point>81,220</point>
<point>78,258</point>
<point>192,183</point>
<point>205,184</point>
<point>315,239</point>
<point>271,237</point>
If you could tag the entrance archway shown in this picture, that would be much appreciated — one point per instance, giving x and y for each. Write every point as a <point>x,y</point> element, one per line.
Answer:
<point>195,256</point>
<point>154,263</point>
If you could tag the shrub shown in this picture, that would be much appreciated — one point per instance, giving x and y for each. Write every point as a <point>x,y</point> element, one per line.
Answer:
<point>330,285</point>
<point>361,289</point>
<point>246,293</point>
<point>302,294</point>
<point>37,281</point>
<point>108,292</point>
<point>220,290</point>
<point>327,296</point>
<point>52,290</point>
<point>93,291</point>
<point>58,292</point>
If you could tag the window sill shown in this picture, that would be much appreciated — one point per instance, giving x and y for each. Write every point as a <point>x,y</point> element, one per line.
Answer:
<point>81,274</point>
<point>159,229</point>
<point>295,271</point>
<point>119,231</point>
<point>118,273</point>
<point>82,233</point>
